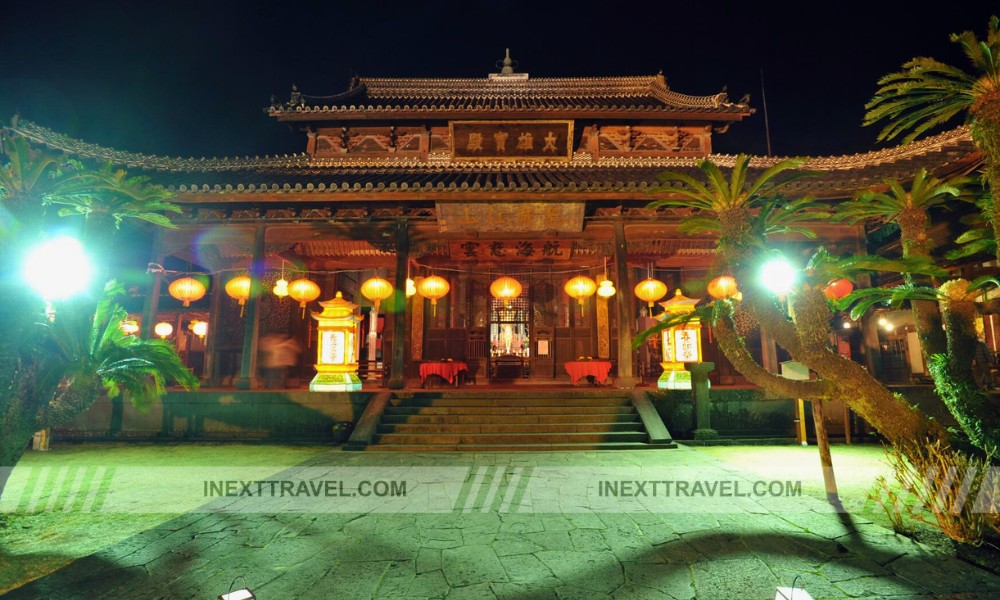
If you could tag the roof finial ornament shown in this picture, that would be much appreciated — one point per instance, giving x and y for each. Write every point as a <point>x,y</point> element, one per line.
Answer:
<point>507,66</point>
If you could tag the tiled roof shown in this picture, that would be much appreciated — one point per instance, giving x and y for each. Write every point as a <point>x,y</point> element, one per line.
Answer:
<point>537,96</point>
<point>300,173</point>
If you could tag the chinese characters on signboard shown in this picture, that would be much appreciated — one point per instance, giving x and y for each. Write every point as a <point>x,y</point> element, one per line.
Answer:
<point>492,140</point>
<point>333,348</point>
<point>520,250</point>
<point>686,345</point>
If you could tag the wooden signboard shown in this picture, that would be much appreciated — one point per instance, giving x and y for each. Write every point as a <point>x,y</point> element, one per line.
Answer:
<point>516,250</point>
<point>512,140</point>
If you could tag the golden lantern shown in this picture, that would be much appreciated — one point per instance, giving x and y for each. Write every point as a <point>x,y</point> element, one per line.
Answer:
<point>163,329</point>
<point>199,328</point>
<point>411,288</point>
<point>722,287</point>
<point>606,289</point>
<point>506,289</point>
<point>303,291</point>
<point>650,290</point>
<point>187,290</point>
<point>433,288</point>
<point>336,361</point>
<point>580,287</point>
<point>376,290</point>
<point>238,288</point>
<point>129,326</point>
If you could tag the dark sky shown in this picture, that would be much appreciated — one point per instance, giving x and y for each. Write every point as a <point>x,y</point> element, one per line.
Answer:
<point>192,78</point>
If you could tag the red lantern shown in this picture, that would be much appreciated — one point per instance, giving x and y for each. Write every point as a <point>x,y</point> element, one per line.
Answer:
<point>838,288</point>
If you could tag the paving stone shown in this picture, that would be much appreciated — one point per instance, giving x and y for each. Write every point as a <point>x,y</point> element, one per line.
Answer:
<point>507,544</point>
<point>814,583</point>
<point>528,568</point>
<point>738,578</point>
<point>428,559</point>
<point>575,593</point>
<point>672,579</point>
<point>679,552</point>
<point>879,587</point>
<point>429,585</point>
<point>441,538</point>
<point>634,592</point>
<point>520,591</point>
<point>479,591</point>
<point>597,571</point>
<point>551,540</point>
<point>588,540</point>
<point>472,564</point>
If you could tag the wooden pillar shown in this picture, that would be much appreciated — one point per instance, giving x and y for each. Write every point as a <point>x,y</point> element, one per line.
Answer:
<point>151,305</point>
<point>248,368</point>
<point>769,353</point>
<point>397,380</point>
<point>211,376</point>
<point>626,318</point>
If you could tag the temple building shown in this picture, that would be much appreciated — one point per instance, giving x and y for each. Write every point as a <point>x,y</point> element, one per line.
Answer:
<point>535,179</point>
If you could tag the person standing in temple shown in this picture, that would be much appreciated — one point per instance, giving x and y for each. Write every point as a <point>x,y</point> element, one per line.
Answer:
<point>280,353</point>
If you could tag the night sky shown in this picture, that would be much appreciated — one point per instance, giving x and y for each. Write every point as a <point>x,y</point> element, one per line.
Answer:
<point>192,78</point>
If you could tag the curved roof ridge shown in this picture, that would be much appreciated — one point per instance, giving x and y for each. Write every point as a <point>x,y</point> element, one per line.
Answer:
<point>76,147</point>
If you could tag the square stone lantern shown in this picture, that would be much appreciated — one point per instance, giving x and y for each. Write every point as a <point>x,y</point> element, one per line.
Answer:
<point>337,360</point>
<point>681,344</point>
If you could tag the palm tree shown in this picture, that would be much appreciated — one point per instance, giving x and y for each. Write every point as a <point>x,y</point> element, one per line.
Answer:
<point>910,210</point>
<point>743,213</point>
<point>50,373</point>
<point>77,359</point>
<point>928,93</point>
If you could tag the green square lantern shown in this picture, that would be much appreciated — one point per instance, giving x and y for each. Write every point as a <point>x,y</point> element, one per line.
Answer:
<point>337,360</point>
<point>681,344</point>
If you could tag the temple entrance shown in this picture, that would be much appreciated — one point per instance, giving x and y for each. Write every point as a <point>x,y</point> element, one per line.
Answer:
<point>510,339</point>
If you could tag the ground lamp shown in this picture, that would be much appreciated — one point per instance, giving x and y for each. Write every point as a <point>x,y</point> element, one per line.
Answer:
<point>187,290</point>
<point>57,269</point>
<point>303,291</point>
<point>376,290</point>
<point>505,289</point>
<point>433,288</point>
<point>580,287</point>
<point>238,288</point>
<point>681,343</point>
<point>163,329</point>
<point>336,362</point>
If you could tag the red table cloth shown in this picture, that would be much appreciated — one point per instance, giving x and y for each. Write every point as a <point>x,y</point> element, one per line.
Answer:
<point>447,370</point>
<point>579,369</point>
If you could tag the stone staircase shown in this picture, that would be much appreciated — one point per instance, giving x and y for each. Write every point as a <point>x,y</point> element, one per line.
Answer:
<point>511,420</point>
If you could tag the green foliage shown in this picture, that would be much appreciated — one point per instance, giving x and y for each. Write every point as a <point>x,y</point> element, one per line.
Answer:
<point>113,194</point>
<point>862,300</point>
<point>928,93</point>
<point>979,238</point>
<point>827,267</point>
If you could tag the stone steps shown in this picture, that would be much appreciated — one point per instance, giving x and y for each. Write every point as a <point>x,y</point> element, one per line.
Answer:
<point>507,418</point>
<point>499,420</point>
<point>509,427</point>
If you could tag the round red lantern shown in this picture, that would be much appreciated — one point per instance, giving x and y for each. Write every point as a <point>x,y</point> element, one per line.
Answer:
<point>838,288</point>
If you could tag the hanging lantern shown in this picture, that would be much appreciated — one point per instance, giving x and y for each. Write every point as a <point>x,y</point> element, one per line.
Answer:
<point>163,329</point>
<point>606,289</point>
<point>722,287</point>
<point>580,287</point>
<point>238,288</point>
<point>199,328</point>
<point>129,327</point>
<point>303,291</point>
<point>433,288</point>
<point>411,288</point>
<point>506,289</point>
<point>376,289</point>
<point>650,290</point>
<point>187,290</point>
<point>280,288</point>
<point>838,288</point>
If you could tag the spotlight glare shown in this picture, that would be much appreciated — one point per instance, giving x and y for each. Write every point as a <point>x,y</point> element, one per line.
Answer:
<point>58,268</point>
<point>778,276</point>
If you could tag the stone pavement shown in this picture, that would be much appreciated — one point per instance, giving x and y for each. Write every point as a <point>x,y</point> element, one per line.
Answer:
<point>521,526</point>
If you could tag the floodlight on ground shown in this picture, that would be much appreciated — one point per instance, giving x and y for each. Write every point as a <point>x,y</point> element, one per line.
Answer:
<point>778,275</point>
<point>58,268</point>
<point>243,593</point>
